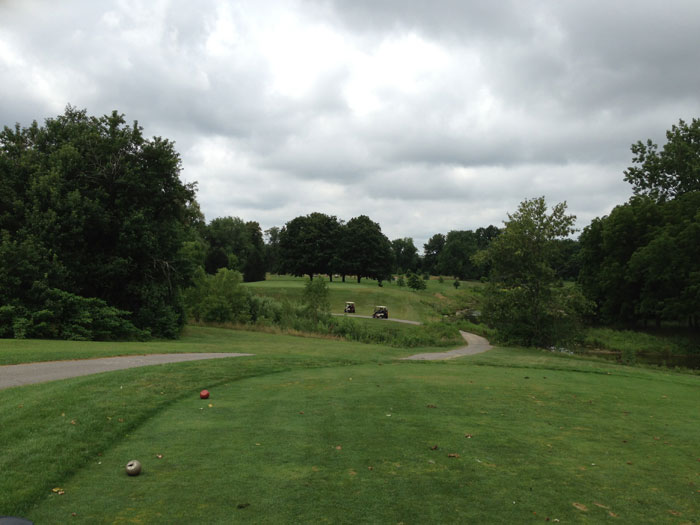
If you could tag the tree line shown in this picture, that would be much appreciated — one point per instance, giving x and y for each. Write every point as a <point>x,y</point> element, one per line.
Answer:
<point>641,263</point>
<point>99,239</point>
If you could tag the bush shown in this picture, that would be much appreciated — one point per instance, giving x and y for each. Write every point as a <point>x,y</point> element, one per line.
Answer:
<point>415,282</point>
<point>316,299</point>
<point>218,298</point>
<point>62,315</point>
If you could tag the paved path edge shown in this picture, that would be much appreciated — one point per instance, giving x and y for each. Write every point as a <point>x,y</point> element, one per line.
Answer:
<point>32,373</point>
<point>475,345</point>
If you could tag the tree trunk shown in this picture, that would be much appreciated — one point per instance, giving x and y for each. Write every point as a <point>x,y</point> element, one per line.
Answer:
<point>311,277</point>
<point>358,278</point>
<point>343,277</point>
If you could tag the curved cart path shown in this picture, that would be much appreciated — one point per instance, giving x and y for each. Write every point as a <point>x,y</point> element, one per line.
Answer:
<point>475,345</point>
<point>29,373</point>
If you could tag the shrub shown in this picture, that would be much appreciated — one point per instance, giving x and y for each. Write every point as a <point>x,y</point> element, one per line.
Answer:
<point>316,299</point>
<point>415,282</point>
<point>218,298</point>
<point>62,315</point>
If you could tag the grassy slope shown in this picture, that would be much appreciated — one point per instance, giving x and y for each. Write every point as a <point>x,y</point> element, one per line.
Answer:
<point>402,302</point>
<point>547,432</point>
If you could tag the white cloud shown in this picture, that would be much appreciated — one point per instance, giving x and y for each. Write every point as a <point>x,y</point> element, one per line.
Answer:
<point>426,117</point>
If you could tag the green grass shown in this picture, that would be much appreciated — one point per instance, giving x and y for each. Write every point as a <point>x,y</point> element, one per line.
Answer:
<point>313,430</point>
<point>402,302</point>
<point>628,340</point>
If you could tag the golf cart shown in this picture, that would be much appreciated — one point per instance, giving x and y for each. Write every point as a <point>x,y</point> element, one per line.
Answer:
<point>349,307</point>
<point>380,312</point>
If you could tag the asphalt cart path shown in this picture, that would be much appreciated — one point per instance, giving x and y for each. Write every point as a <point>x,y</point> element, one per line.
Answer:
<point>30,373</point>
<point>475,343</point>
<point>405,321</point>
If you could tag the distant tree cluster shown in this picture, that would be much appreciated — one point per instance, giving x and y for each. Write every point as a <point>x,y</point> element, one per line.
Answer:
<point>231,243</point>
<point>453,254</point>
<point>321,244</point>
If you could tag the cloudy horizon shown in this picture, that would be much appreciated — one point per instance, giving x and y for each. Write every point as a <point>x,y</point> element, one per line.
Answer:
<point>425,117</point>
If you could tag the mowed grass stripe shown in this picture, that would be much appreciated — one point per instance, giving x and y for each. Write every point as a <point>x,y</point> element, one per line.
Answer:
<point>541,441</point>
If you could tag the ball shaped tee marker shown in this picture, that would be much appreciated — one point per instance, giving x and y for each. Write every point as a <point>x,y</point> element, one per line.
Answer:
<point>204,394</point>
<point>133,467</point>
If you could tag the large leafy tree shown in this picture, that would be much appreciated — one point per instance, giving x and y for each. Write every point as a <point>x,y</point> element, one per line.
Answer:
<point>452,254</point>
<point>272,250</point>
<point>672,171</point>
<point>307,244</point>
<point>641,263</point>
<point>525,299</point>
<point>431,252</point>
<point>456,256</point>
<point>365,250</point>
<point>101,213</point>
<point>405,255</point>
<point>236,245</point>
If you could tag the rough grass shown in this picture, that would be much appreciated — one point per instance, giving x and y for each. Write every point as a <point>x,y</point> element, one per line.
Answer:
<point>628,340</point>
<point>324,431</point>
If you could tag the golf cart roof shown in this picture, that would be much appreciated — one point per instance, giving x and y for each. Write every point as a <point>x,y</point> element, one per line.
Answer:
<point>380,307</point>
<point>349,302</point>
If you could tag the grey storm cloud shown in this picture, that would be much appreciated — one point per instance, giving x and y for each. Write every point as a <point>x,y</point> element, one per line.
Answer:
<point>426,116</point>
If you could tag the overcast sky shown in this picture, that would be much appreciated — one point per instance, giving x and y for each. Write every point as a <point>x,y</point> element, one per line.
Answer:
<point>425,116</point>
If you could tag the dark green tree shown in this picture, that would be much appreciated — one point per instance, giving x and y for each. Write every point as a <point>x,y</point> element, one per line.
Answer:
<point>456,257</point>
<point>606,246</point>
<point>525,300</point>
<point>431,253</point>
<point>254,265</point>
<point>641,263</point>
<point>105,214</point>
<point>484,236</point>
<point>272,250</point>
<point>674,170</point>
<point>365,250</point>
<point>308,244</point>
<point>236,245</point>
<point>405,255</point>
<point>416,282</point>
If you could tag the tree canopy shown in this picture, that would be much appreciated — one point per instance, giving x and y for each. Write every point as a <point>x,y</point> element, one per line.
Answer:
<point>674,170</point>
<point>236,245</point>
<point>525,300</point>
<point>405,255</point>
<point>307,244</point>
<point>89,208</point>
<point>365,250</point>
<point>641,263</point>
